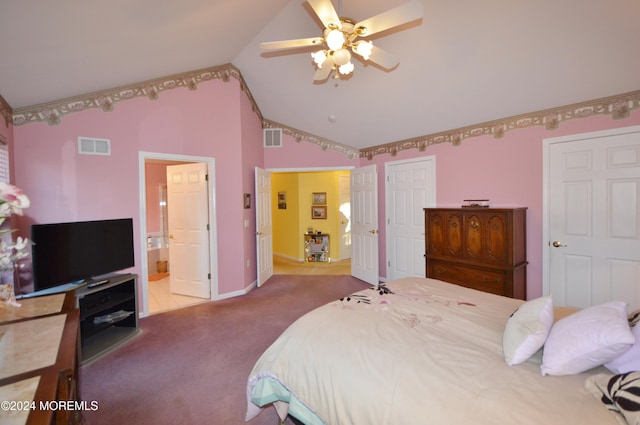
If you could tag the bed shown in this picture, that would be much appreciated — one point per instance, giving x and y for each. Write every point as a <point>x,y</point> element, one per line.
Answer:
<point>420,350</point>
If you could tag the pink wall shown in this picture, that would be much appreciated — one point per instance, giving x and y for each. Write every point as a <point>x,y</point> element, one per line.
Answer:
<point>65,186</point>
<point>508,171</point>
<point>252,157</point>
<point>156,175</point>
<point>217,120</point>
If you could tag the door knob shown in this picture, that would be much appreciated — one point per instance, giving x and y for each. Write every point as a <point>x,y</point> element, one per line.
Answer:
<point>558,244</point>
<point>373,231</point>
<point>171,236</point>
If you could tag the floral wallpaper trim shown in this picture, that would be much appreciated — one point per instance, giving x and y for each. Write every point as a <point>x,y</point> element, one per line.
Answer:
<point>619,107</point>
<point>52,112</point>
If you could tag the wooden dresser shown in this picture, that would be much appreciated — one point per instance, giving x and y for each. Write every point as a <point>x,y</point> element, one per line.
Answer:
<point>480,248</point>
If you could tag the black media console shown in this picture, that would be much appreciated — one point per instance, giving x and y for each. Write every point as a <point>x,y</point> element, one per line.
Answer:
<point>108,314</point>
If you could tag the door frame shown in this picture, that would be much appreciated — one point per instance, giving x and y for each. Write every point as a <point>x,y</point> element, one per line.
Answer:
<point>308,170</point>
<point>546,147</point>
<point>213,241</point>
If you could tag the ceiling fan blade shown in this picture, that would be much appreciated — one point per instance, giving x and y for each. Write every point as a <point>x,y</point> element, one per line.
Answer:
<point>383,58</point>
<point>326,12</point>
<point>323,73</point>
<point>291,44</point>
<point>392,18</point>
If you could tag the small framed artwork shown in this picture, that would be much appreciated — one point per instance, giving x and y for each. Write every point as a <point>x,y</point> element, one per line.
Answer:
<point>319,212</point>
<point>247,200</point>
<point>319,198</point>
<point>282,200</point>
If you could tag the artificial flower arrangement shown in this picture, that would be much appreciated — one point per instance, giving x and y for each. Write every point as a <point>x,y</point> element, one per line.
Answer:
<point>12,201</point>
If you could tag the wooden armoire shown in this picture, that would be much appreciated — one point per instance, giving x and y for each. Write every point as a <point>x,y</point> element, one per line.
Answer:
<point>480,248</point>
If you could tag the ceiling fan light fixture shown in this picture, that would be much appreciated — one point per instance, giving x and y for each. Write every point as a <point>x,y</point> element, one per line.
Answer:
<point>363,48</point>
<point>341,57</point>
<point>319,57</point>
<point>346,68</point>
<point>335,39</point>
<point>340,38</point>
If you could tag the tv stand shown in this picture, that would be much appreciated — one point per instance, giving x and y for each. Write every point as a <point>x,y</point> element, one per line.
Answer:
<point>108,315</point>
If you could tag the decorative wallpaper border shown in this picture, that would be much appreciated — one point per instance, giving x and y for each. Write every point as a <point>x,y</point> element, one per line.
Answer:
<point>52,112</point>
<point>618,106</point>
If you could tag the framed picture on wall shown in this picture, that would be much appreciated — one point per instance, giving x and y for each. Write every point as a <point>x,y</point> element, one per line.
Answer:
<point>319,198</point>
<point>247,200</point>
<point>319,212</point>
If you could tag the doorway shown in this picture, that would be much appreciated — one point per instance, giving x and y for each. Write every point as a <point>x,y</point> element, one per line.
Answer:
<point>292,211</point>
<point>157,265</point>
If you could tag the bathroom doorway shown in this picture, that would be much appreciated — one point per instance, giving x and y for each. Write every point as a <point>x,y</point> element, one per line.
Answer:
<point>157,296</point>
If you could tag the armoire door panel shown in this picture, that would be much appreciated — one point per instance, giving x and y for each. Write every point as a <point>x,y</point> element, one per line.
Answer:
<point>497,230</point>
<point>454,234</point>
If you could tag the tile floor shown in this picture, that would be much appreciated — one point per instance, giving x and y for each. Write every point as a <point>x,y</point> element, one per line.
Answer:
<point>161,299</point>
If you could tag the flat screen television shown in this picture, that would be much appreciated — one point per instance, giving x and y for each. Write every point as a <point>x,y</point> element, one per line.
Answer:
<point>66,253</point>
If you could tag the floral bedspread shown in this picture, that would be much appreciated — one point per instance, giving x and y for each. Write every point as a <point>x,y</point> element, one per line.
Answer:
<point>415,350</point>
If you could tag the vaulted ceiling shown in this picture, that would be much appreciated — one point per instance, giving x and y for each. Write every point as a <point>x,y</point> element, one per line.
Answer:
<point>466,62</point>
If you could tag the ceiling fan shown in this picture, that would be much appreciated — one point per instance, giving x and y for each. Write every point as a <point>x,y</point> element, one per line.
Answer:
<point>343,36</point>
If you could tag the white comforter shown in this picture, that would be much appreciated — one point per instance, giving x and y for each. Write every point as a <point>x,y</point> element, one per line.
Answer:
<point>429,352</point>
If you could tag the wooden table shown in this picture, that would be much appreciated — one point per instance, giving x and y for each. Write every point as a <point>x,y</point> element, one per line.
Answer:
<point>38,365</point>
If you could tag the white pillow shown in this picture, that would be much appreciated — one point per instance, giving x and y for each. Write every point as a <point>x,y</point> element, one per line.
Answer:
<point>586,339</point>
<point>526,330</point>
<point>629,361</point>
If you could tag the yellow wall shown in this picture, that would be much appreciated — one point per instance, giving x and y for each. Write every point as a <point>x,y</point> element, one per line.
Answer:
<point>290,225</point>
<point>286,237</point>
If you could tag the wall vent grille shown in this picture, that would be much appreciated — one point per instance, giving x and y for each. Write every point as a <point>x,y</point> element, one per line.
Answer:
<point>272,137</point>
<point>93,146</point>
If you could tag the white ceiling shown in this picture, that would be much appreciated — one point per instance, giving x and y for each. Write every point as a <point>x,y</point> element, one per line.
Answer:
<point>465,63</point>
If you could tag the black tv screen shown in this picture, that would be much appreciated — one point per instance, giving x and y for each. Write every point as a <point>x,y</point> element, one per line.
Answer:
<point>71,252</point>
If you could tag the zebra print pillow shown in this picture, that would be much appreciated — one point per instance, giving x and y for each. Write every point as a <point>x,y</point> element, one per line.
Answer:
<point>619,393</point>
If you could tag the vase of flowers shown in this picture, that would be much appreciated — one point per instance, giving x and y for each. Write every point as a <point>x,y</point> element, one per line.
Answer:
<point>12,201</point>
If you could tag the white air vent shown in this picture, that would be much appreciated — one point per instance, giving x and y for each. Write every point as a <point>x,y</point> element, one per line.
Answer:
<point>92,146</point>
<point>272,137</point>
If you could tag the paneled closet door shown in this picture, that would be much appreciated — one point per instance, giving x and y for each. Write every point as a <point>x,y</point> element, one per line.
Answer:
<point>594,218</point>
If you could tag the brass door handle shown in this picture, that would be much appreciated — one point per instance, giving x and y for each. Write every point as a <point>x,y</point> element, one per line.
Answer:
<point>374,231</point>
<point>171,236</point>
<point>557,244</point>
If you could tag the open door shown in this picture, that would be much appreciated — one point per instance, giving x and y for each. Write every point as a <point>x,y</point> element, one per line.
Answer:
<point>264,226</point>
<point>364,224</point>
<point>188,219</point>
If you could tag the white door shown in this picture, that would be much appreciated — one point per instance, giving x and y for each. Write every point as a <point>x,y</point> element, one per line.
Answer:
<point>188,218</point>
<point>410,187</point>
<point>344,210</point>
<point>264,226</point>
<point>593,237</point>
<point>364,224</point>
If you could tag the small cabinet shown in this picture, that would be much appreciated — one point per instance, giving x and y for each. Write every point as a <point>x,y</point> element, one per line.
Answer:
<point>108,314</point>
<point>316,247</point>
<point>480,248</point>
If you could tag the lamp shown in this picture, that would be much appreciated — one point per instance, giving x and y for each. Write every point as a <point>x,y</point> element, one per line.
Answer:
<point>340,44</point>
